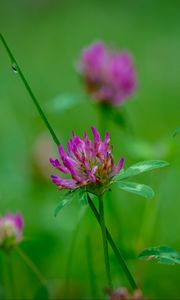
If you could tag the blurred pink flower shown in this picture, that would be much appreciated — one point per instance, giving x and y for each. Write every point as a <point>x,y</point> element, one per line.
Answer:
<point>89,164</point>
<point>109,76</point>
<point>11,228</point>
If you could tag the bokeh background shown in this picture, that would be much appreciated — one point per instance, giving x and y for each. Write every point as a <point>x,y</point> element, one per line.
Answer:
<point>46,38</point>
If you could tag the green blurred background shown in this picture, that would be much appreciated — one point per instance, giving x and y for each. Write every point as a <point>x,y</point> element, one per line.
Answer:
<point>46,38</point>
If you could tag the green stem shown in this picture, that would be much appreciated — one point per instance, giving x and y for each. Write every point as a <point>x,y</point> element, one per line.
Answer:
<point>114,248</point>
<point>34,99</point>
<point>104,238</point>
<point>92,275</point>
<point>31,265</point>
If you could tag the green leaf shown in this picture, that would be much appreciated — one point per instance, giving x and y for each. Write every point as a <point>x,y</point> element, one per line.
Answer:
<point>176,132</point>
<point>42,293</point>
<point>83,198</point>
<point>163,254</point>
<point>62,204</point>
<point>141,167</point>
<point>65,102</point>
<point>66,201</point>
<point>136,188</point>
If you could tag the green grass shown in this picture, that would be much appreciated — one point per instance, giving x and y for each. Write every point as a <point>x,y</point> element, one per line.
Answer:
<point>46,40</point>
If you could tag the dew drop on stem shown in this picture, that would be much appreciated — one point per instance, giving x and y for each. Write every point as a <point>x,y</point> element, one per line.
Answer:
<point>14,67</point>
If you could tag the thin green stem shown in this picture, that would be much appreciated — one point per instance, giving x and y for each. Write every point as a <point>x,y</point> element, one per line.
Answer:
<point>31,265</point>
<point>34,99</point>
<point>57,142</point>
<point>114,248</point>
<point>92,275</point>
<point>104,238</point>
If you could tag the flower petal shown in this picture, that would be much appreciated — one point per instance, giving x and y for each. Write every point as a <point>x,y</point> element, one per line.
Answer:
<point>63,183</point>
<point>19,222</point>
<point>62,153</point>
<point>97,139</point>
<point>92,61</point>
<point>118,167</point>
<point>58,166</point>
<point>107,138</point>
<point>73,166</point>
<point>92,177</point>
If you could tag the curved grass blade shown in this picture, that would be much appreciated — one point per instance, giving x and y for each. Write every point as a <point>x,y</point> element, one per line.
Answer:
<point>163,254</point>
<point>114,247</point>
<point>137,188</point>
<point>18,70</point>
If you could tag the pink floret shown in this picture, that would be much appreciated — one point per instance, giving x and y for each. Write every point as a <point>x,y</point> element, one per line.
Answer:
<point>11,230</point>
<point>87,163</point>
<point>110,77</point>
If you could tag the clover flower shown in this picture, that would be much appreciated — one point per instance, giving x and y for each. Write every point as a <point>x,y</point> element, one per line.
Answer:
<point>109,76</point>
<point>123,294</point>
<point>11,227</point>
<point>89,165</point>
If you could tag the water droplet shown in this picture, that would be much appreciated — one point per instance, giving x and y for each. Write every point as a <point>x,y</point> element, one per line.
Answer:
<point>14,67</point>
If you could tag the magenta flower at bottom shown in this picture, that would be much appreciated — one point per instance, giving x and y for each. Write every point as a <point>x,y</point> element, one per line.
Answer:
<point>11,228</point>
<point>88,164</point>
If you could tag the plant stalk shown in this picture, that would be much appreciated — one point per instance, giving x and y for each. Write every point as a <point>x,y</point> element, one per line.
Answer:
<point>105,242</point>
<point>16,68</point>
<point>114,248</point>
<point>31,265</point>
<point>93,208</point>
